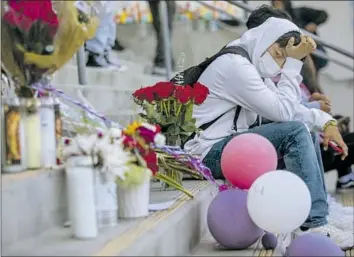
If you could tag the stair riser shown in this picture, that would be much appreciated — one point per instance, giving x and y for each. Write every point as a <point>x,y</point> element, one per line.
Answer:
<point>131,78</point>
<point>27,215</point>
<point>178,234</point>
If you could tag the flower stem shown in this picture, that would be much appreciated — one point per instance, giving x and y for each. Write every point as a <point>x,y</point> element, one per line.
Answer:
<point>173,183</point>
<point>179,109</point>
<point>164,106</point>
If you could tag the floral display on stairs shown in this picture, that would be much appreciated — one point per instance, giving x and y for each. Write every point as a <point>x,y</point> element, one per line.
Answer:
<point>171,107</point>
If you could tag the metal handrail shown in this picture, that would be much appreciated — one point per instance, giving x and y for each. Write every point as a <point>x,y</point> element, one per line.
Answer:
<point>249,9</point>
<point>316,38</point>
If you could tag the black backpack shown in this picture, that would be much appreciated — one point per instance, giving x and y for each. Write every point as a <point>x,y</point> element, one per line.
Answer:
<point>192,75</point>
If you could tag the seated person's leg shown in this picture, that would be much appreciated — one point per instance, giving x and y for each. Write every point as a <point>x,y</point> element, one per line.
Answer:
<point>294,143</point>
<point>96,46</point>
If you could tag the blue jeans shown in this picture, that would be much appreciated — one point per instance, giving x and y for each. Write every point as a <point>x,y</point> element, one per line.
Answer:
<point>105,35</point>
<point>295,145</point>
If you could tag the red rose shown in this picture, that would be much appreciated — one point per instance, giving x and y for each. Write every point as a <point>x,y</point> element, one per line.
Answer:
<point>149,94</point>
<point>184,94</point>
<point>145,93</point>
<point>139,94</point>
<point>24,13</point>
<point>200,93</point>
<point>151,161</point>
<point>164,90</point>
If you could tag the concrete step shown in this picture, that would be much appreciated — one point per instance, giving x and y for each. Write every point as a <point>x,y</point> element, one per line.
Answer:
<point>36,209</point>
<point>209,247</point>
<point>114,102</point>
<point>133,77</point>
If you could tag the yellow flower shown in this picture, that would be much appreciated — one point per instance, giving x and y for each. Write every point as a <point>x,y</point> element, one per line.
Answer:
<point>130,130</point>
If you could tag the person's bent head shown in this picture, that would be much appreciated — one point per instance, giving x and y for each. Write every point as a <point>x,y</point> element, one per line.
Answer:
<point>264,12</point>
<point>267,43</point>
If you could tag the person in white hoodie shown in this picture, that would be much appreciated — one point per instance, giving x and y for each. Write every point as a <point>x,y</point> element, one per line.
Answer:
<point>243,92</point>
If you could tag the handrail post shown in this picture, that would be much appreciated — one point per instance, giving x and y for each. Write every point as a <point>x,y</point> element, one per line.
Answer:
<point>166,38</point>
<point>81,66</point>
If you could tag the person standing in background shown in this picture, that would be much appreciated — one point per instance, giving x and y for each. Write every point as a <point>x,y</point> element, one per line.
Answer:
<point>159,60</point>
<point>99,48</point>
<point>308,19</point>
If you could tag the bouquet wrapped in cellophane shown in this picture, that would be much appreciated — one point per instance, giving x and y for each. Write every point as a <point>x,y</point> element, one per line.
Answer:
<point>39,37</point>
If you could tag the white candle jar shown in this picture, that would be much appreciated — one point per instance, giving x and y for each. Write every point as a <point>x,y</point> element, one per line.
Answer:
<point>48,148</point>
<point>133,201</point>
<point>106,200</point>
<point>32,128</point>
<point>81,197</point>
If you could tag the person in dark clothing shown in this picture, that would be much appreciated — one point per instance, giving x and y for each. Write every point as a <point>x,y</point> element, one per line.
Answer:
<point>159,60</point>
<point>308,19</point>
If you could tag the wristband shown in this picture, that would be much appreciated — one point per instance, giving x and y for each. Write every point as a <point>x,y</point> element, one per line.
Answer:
<point>330,123</point>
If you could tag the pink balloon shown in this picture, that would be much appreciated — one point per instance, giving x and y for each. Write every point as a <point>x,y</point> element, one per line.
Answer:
<point>246,157</point>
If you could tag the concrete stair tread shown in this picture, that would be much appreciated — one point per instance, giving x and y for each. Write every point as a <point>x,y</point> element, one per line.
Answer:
<point>130,237</point>
<point>209,247</point>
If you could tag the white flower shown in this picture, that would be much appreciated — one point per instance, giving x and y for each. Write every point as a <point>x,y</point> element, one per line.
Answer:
<point>159,139</point>
<point>86,143</point>
<point>149,126</point>
<point>115,133</point>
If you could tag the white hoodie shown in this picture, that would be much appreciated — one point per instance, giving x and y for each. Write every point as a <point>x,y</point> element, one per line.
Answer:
<point>233,80</point>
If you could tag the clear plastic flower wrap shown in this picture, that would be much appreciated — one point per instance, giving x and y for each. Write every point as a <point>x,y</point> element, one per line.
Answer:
<point>39,38</point>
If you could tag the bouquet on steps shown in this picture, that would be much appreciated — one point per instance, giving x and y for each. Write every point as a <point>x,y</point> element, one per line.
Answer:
<point>171,107</point>
<point>39,37</point>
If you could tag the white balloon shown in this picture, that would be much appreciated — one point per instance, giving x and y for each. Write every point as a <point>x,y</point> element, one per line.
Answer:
<point>279,202</point>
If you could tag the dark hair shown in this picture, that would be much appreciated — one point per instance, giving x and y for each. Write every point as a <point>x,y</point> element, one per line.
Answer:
<point>284,39</point>
<point>263,13</point>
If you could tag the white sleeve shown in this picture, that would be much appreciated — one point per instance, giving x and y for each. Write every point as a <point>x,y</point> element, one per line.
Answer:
<point>245,87</point>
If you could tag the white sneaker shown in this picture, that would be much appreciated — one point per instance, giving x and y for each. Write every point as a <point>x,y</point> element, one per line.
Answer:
<point>343,222</point>
<point>342,238</point>
<point>335,207</point>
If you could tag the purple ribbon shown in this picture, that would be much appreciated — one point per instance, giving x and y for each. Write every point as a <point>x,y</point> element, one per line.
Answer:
<point>40,88</point>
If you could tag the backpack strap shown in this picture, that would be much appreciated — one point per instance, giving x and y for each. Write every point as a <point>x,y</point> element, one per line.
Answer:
<point>225,50</point>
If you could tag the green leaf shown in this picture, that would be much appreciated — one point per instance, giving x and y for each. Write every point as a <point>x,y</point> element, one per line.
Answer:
<point>189,127</point>
<point>173,130</point>
<point>188,115</point>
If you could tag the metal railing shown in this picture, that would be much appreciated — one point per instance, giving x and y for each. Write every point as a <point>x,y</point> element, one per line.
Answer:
<point>243,5</point>
<point>316,38</point>
<point>317,53</point>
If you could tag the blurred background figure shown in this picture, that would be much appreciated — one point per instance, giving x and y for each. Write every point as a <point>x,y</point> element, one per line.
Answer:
<point>159,60</point>
<point>100,47</point>
<point>308,19</point>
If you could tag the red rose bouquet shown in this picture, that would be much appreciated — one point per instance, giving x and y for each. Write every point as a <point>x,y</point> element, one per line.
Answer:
<point>37,41</point>
<point>171,107</point>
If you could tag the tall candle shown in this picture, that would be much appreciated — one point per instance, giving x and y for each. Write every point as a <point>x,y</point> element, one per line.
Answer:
<point>32,126</point>
<point>81,196</point>
<point>12,138</point>
<point>48,139</point>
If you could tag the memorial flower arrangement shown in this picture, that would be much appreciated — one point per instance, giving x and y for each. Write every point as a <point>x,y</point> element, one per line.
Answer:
<point>127,156</point>
<point>38,40</point>
<point>171,107</point>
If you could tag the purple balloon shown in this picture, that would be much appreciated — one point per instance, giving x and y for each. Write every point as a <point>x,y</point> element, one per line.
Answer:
<point>229,221</point>
<point>313,244</point>
<point>269,241</point>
